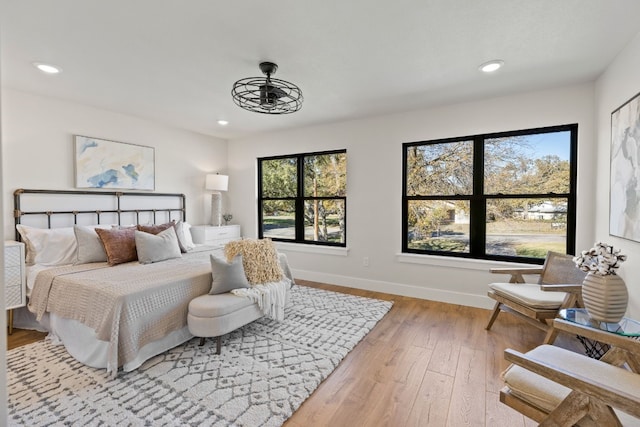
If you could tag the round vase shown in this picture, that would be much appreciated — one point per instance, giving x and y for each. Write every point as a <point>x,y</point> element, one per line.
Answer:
<point>605,297</point>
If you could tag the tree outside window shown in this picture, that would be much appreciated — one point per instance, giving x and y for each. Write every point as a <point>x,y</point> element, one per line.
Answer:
<point>302,197</point>
<point>507,196</point>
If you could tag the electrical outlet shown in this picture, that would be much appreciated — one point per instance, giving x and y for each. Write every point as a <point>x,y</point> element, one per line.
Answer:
<point>365,261</point>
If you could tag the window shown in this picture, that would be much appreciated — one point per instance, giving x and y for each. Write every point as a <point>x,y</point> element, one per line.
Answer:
<point>302,198</point>
<point>506,196</point>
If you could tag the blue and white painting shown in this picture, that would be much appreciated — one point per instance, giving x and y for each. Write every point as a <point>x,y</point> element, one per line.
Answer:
<point>624,206</point>
<point>109,164</point>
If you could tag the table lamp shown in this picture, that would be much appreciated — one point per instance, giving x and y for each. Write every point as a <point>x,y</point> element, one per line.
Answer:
<point>216,183</point>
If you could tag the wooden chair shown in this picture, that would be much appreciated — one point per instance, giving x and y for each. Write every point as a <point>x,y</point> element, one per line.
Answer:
<point>559,286</point>
<point>557,387</point>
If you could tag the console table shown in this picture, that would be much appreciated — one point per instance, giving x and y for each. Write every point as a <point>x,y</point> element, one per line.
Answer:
<point>215,235</point>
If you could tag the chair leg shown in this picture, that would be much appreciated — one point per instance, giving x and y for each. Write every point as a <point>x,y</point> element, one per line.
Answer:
<point>218,343</point>
<point>494,315</point>
<point>571,410</point>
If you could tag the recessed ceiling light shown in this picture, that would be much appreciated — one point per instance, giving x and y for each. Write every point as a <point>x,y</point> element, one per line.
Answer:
<point>47,68</point>
<point>223,122</point>
<point>491,66</point>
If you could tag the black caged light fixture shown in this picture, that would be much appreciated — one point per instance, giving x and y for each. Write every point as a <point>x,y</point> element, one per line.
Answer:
<point>267,95</point>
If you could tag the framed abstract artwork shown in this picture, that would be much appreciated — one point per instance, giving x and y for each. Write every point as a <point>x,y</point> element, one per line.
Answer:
<point>624,191</point>
<point>101,163</point>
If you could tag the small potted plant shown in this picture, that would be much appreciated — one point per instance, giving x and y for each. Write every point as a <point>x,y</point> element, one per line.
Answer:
<point>604,293</point>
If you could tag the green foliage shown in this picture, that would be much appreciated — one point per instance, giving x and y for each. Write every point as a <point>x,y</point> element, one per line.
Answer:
<point>537,250</point>
<point>280,222</point>
<point>325,175</point>
<point>434,215</point>
<point>279,177</point>
<point>440,169</point>
<point>278,208</point>
<point>439,244</point>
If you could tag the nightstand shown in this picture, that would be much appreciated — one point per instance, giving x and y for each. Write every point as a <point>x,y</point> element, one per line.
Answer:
<point>15,291</point>
<point>214,235</point>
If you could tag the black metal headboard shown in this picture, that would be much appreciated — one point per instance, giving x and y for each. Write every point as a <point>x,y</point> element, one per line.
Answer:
<point>118,199</point>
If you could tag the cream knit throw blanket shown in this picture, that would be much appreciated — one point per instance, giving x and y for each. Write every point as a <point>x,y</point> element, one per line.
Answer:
<point>271,297</point>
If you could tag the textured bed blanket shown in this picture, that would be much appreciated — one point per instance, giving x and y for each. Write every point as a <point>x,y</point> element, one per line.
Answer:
<point>129,305</point>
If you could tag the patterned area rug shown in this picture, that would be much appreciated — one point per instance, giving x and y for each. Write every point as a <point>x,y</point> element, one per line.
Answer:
<point>265,372</point>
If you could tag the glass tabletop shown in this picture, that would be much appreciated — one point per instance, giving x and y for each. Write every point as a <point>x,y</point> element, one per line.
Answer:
<point>626,327</point>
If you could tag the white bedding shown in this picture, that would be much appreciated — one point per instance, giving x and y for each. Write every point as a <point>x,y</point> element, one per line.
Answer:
<point>31,274</point>
<point>82,341</point>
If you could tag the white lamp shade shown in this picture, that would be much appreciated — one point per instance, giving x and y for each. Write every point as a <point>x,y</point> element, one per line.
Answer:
<point>217,182</point>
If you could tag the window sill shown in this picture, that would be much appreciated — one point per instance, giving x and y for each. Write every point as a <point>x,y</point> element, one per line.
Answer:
<point>312,249</point>
<point>460,263</point>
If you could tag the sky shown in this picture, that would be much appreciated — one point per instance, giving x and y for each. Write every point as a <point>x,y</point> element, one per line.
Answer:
<point>556,143</point>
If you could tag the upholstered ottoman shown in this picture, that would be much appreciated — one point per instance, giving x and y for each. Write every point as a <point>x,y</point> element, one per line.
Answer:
<point>217,315</point>
<point>220,311</point>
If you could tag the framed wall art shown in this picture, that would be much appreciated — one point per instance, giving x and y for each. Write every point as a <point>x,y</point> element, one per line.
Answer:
<point>101,163</point>
<point>624,191</point>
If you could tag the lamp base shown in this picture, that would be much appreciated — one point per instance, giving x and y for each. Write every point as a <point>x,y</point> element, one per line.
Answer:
<point>216,208</point>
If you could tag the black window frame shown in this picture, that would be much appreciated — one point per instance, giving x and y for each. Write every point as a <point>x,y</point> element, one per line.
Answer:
<point>478,200</point>
<point>299,199</point>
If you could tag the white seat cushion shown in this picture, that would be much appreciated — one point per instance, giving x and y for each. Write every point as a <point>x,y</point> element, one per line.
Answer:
<point>529,294</point>
<point>212,306</point>
<point>546,394</point>
<point>533,388</point>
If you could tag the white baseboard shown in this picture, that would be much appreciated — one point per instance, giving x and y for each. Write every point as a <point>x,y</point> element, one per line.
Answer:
<point>451,297</point>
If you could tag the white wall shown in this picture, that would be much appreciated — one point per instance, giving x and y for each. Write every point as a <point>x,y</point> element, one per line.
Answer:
<point>619,83</point>
<point>38,149</point>
<point>374,184</point>
<point>3,321</point>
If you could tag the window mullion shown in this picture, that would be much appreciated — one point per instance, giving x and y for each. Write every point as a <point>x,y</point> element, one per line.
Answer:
<point>300,201</point>
<point>260,202</point>
<point>477,229</point>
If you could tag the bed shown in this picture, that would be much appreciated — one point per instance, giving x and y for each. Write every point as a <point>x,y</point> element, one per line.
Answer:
<point>110,316</point>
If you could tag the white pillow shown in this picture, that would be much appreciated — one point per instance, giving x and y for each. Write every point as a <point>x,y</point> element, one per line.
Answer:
<point>183,229</point>
<point>90,248</point>
<point>55,246</point>
<point>157,247</point>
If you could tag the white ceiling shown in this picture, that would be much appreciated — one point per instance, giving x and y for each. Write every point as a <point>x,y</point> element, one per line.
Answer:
<point>175,61</point>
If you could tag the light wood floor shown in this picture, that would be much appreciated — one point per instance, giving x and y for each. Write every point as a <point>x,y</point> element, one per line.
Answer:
<point>424,364</point>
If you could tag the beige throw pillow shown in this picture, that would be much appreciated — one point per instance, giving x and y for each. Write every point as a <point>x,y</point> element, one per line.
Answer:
<point>90,248</point>
<point>157,247</point>
<point>157,228</point>
<point>227,276</point>
<point>259,258</point>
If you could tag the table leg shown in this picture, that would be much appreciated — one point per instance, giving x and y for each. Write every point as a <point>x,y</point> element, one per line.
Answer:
<point>552,334</point>
<point>10,321</point>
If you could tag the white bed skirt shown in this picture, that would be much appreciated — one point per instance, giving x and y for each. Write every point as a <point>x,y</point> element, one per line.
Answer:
<point>81,342</point>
